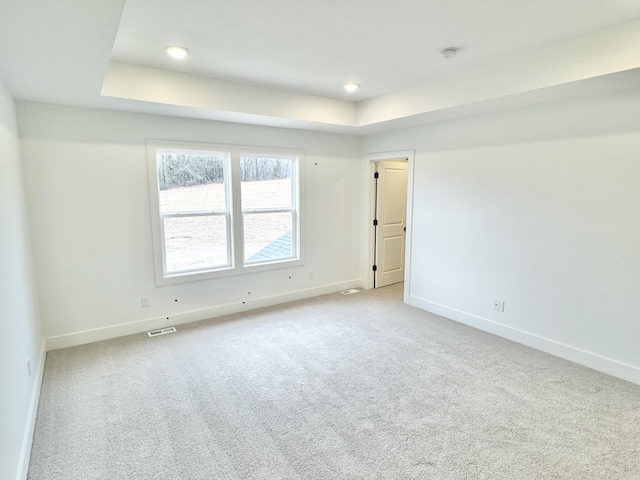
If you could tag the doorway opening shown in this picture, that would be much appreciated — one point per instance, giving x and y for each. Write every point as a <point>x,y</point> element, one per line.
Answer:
<point>389,223</point>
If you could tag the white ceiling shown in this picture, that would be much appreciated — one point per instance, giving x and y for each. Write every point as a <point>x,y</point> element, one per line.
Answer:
<point>283,62</point>
<point>315,46</point>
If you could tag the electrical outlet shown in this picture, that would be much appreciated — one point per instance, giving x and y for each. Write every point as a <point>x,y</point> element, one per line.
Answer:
<point>144,301</point>
<point>498,305</point>
<point>311,275</point>
<point>29,366</point>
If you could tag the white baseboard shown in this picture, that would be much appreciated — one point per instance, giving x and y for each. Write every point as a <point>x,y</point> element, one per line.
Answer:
<point>27,441</point>
<point>573,354</point>
<point>138,326</point>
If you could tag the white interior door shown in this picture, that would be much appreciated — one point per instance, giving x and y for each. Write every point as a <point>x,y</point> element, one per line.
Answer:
<point>391,213</point>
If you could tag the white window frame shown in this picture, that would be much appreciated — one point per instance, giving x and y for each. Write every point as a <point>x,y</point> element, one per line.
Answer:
<point>234,213</point>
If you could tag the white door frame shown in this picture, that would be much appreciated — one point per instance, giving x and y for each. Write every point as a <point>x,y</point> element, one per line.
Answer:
<point>372,159</point>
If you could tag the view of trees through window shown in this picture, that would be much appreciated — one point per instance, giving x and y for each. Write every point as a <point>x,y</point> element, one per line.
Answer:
<point>186,170</point>
<point>267,208</point>
<point>195,209</point>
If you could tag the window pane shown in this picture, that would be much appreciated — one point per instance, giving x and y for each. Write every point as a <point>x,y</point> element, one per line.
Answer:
<point>267,236</point>
<point>190,182</point>
<point>266,182</point>
<point>195,242</point>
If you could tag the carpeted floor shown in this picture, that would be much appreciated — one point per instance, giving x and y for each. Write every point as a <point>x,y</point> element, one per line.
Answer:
<point>336,387</point>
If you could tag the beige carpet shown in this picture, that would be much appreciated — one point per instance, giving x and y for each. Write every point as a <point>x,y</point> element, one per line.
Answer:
<point>337,387</point>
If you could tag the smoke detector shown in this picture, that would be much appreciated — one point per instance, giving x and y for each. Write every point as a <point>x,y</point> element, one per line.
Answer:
<point>448,52</point>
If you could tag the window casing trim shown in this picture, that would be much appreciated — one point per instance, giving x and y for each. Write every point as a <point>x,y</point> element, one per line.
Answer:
<point>234,213</point>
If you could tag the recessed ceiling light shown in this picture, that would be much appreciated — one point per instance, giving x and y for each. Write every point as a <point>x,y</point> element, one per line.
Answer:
<point>177,51</point>
<point>448,52</point>
<point>351,87</point>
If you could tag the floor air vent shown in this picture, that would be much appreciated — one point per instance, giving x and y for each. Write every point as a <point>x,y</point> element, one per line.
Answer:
<point>162,331</point>
<point>351,291</point>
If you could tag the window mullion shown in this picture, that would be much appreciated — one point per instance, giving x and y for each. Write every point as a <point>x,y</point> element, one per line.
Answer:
<point>236,211</point>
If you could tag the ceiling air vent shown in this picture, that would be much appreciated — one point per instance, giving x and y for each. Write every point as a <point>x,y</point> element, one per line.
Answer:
<point>162,331</point>
<point>351,291</point>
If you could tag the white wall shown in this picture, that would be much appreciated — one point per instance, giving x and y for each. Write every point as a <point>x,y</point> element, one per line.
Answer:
<point>21,336</point>
<point>538,207</point>
<point>87,190</point>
